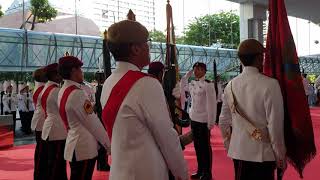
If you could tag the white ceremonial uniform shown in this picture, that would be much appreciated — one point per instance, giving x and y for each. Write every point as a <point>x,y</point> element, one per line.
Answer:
<point>203,100</point>
<point>10,102</point>
<point>1,94</point>
<point>14,87</point>
<point>85,128</point>
<point>25,104</point>
<point>53,127</point>
<point>305,85</point>
<point>38,116</point>
<point>144,143</point>
<point>260,98</point>
<point>89,90</point>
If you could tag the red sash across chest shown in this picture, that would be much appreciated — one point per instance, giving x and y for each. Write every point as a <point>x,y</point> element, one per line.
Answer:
<point>63,102</point>
<point>36,95</point>
<point>118,93</point>
<point>45,96</point>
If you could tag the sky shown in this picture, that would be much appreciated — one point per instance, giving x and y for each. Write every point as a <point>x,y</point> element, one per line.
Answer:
<point>305,34</point>
<point>182,17</point>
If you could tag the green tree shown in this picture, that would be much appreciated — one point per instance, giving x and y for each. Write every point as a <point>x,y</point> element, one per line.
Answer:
<point>221,28</point>
<point>180,39</point>
<point>41,11</point>
<point>157,36</point>
<point>1,13</point>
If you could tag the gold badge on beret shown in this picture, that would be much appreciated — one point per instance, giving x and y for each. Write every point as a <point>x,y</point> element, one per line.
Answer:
<point>88,108</point>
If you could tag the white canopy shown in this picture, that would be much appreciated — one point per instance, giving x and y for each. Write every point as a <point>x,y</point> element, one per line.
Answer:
<point>305,9</point>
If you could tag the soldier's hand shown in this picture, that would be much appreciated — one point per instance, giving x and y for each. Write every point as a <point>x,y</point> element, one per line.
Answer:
<point>176,91</point>
<point>108,150</point>
<point>210,126</point>
<point>282,164</point>
<point>189,74</point>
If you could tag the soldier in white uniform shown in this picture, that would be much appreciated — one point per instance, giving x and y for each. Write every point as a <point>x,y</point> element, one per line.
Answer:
<point>203,115</point>
<point>84,127</point>
<point>10,102</point>
<point>14,87</point>
<point>305,83</point>
<point>25,107</point>
<point>253,107</point>
<point>1,98</point>
<point>40,154</point>
<point>53,130</point>
<point>144,143</point>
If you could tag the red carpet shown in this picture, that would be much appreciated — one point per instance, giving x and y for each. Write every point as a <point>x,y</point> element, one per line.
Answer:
<point>17,163</point>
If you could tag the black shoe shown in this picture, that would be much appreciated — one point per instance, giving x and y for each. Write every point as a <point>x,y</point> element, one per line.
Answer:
<point>105,167</point>
<point>206,177</point>
<point>28,132</point>
<point>195,176</point>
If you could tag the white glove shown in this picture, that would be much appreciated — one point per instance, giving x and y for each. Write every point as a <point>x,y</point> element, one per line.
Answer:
<point>108,150</point>
<point>226,144</point>
<point>189,74</point>
<point>282,164</point>
<point>210,126</point>
<point>176,91</point>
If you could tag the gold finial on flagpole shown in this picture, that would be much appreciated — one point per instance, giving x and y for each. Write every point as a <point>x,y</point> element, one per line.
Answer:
<point>105,34</point>
<point>131,16</point>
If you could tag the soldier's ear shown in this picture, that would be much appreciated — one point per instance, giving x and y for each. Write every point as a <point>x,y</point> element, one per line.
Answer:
<point>135,50</point>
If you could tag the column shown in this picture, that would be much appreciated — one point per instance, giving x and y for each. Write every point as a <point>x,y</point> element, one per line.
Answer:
<point>251,21</point>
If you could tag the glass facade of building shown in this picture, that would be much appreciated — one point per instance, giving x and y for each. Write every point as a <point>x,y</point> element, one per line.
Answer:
<point>102,12</point>
<point>22,50</point>
<point>106,13</point>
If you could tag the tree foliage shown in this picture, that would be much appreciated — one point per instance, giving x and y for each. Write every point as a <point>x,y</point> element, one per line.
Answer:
<point>157,36</point>
<point>42,11</point>
<point>222,28</point>
<point>1,13</point>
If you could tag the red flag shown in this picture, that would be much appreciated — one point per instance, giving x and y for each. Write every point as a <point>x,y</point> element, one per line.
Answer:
<point>282,63</point>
